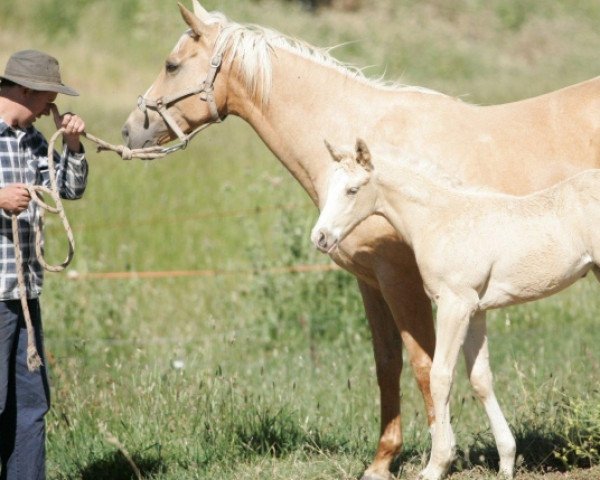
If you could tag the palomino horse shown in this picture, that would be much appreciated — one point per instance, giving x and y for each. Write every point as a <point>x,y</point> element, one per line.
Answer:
<point>476,250</point>
<point>294,95</point>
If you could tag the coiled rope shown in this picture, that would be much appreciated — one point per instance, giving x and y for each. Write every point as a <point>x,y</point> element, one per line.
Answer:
<point>34,361</point>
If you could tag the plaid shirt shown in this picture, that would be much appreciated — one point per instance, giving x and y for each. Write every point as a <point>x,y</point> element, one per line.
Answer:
<point>23,159</point>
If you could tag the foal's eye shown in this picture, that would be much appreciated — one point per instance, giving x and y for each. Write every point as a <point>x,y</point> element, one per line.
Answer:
<point>171,67</point>
<point>352,191</point>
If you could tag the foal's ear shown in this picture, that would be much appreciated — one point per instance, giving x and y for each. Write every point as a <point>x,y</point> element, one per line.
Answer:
<point>363,156</point>
<point>197,25</point>
<point>336,155</point>
<point>199,10</point>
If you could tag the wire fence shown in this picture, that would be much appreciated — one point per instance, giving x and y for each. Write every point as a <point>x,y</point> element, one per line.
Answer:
<point>145,275</point>
<point>178,219</point>
<point>230,214</point>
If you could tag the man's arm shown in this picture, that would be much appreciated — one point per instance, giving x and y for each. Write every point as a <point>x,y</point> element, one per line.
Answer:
<point>71,166</point>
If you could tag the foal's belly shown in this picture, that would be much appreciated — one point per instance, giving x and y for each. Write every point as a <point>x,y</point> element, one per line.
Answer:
<point>527,282</point>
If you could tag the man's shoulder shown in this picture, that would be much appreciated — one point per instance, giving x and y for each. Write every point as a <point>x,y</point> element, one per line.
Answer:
<point>29,134</point>
<point>3,126</point>
<point>34,138</point>
<point>33,132</point>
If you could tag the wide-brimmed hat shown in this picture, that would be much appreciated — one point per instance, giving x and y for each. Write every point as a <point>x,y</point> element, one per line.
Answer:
<point>36,70</point>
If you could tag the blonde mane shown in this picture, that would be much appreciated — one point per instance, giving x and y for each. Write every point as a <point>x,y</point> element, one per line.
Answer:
<point>253,45</point>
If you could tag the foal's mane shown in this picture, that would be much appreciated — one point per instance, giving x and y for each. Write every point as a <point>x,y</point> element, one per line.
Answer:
<point>253,45</point>
<point>423,167</point>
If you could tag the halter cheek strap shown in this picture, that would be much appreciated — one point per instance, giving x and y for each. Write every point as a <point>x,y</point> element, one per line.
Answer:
<point>206,93</point>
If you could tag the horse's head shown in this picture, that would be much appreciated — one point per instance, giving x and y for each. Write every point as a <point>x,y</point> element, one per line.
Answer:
<point>351,196</point>
<point>189,90</point>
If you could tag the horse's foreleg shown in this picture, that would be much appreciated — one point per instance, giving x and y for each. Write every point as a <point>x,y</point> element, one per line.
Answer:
<point>402,290</point>
<point>478,368</point>
<point>387,347</point>
<point>453,317</point>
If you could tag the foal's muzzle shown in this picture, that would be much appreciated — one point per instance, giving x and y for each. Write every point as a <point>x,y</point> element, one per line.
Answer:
<point>324,240</point>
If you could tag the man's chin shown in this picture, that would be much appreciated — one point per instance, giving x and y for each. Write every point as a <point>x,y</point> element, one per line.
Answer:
<point>27,122</point>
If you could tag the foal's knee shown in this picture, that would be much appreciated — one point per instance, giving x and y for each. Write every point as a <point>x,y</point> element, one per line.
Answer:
<point>440,381</point>
<point>482,383</point>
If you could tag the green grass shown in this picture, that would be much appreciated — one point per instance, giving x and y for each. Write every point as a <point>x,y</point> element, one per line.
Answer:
<point>278,376</point>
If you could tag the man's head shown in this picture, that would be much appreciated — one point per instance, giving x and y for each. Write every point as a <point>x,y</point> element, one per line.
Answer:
<point>31,80</point>
<point>37,71</point>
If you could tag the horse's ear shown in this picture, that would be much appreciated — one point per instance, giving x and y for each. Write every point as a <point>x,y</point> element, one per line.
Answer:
<point>337,156</point>
<point>363,156</point>
<point>199,27</point>
<point>199,10</point>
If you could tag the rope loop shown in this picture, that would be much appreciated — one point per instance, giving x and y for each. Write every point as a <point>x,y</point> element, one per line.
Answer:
<point>34,360</point>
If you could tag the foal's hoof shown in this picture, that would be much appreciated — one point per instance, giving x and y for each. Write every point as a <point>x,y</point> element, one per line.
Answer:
<point>376,476</point>
<point>431,474</point>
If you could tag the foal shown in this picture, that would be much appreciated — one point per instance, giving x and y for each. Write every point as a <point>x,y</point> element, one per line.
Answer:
<point>476,250</point>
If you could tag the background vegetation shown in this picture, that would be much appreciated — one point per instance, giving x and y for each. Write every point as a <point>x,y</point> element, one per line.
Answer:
<point>255,374</point>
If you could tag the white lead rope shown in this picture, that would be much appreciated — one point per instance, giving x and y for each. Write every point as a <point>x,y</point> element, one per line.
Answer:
<point>34,360</point>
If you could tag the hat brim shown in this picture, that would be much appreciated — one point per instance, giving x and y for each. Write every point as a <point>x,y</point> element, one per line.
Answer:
<point>41,86</point>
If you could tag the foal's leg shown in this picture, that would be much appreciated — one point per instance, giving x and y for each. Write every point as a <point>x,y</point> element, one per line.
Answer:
<point>453,317</point>
<point>478,368</point>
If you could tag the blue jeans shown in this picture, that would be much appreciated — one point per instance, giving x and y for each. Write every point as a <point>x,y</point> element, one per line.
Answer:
<point>24,396</point>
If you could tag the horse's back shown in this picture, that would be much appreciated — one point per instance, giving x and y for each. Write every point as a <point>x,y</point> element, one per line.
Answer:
<point>530,144</point>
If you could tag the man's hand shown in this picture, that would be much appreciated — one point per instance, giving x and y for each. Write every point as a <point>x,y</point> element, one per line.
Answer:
<point>14,198</point>
<point>73,125</point>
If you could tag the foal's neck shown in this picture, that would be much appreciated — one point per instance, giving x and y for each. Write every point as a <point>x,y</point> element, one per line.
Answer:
<point>411,201</point>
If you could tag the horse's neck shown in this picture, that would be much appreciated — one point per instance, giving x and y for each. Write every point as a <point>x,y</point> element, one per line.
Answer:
<point>309,103</point>
<point>410,201</point>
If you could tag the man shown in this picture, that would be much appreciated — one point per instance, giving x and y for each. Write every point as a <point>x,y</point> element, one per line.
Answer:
<point>28,88</point>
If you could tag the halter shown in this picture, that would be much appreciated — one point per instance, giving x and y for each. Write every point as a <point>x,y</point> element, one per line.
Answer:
<point>161,105</point>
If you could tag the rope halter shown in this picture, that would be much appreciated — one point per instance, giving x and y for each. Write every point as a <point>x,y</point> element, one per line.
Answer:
<point>206,93</point>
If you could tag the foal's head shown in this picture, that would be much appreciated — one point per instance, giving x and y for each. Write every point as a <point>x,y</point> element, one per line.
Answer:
<point>351,196</point>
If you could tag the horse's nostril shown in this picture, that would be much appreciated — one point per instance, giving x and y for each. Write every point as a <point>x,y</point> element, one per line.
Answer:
<point>125,134</point>
<point>322,241</point>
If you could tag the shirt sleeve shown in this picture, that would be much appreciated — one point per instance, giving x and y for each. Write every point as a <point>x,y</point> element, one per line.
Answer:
<point>71,172</point>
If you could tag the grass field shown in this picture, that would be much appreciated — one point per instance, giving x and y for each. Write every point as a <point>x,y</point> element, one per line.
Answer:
<point>253,374</point>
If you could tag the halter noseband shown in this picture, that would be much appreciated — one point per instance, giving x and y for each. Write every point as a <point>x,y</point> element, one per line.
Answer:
<point>161,105</point>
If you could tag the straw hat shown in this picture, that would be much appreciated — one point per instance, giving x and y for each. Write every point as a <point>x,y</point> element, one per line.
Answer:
<point>36,70</point>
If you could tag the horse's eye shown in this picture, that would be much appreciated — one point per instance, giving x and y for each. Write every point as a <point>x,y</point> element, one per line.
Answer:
<point>352,191</point>
<point>171,67</point>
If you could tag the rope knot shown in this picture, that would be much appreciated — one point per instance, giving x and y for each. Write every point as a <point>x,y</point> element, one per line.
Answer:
<point>126,153</point>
